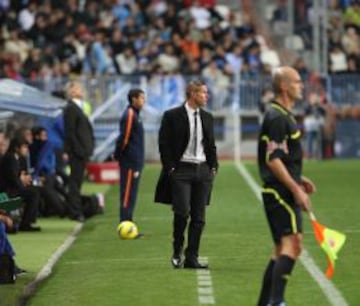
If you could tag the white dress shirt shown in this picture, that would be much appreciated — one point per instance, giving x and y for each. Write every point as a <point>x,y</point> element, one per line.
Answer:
<point>78,102</point>
<point>189,155</point>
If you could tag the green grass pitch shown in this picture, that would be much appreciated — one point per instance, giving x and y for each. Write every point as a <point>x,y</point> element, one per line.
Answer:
<point>101,269</point>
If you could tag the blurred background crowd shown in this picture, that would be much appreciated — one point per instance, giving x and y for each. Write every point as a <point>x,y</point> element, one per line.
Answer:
<point>48,38</point>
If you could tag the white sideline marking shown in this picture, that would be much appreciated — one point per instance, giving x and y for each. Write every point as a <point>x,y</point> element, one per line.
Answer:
<point>205,289</point>
<point>47,269</point>
<point>333,295</point>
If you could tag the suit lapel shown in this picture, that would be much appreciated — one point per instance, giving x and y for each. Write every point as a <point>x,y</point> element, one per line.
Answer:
<point>203,122</point>
<point>185,122</point>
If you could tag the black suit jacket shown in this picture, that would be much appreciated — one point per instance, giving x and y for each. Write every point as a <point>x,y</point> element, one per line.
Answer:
<point>10,169</point>
<point>79,136</point>
<point>174,136</point>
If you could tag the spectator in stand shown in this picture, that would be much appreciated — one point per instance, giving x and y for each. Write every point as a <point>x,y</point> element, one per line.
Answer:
<point>117,41</point>
<point>190,46</point>
<point>170,16</point>
<point>218,83</point>
<point>130,28</point>
<point>126,61</point>
<point>38,32</point>
<point>16,44</point>
<point>300,66</point>
<point>69,51</point>
<point>168,61</point>
<point>205,57</point>
<point>182,26</point>
<point>144,64</point>
<point>314,115</point>
<point>190,66</point>
<point>235,59</point>
<point>219,57</point>
<point>26,17</point>
<point>337,60</point>
<point>353,64</point>
<point>32,64</point>
<point>253,57</point>
<point>200,14</point>
<point>207,40</point>
<point>352,13</point>
<point>351,40</point>
<point>96,62</point>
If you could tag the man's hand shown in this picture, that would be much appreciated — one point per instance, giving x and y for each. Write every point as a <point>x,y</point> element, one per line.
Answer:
<point>7,220</point>
<point>307,185</point>
<point>302,199</point>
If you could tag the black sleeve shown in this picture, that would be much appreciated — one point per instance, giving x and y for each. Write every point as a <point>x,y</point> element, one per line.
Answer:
<point>165,140</point>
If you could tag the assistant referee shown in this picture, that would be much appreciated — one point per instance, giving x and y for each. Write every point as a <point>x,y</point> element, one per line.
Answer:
<point>285,190</point>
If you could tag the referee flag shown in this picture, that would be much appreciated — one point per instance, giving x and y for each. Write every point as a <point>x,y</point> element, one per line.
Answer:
<point>331,242</point>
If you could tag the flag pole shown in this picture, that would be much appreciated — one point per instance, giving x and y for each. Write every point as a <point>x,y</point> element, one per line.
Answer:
<point>312,216</point>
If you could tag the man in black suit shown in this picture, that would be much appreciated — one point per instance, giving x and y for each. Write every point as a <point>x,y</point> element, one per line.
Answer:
<point>78,144</point>
<point>189,159</point>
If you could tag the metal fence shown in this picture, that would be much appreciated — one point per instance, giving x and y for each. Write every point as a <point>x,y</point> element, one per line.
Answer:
<point>235,105</point>
<point>239,93</point>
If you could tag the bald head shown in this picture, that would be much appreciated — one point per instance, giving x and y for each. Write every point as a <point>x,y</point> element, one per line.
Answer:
<point>282,75</point>
<point>287,83</point>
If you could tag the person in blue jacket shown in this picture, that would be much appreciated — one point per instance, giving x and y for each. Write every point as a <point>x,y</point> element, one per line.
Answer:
<point>129,152</point>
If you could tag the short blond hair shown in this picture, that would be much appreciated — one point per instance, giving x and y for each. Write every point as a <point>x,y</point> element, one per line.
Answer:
<point>193,86</point>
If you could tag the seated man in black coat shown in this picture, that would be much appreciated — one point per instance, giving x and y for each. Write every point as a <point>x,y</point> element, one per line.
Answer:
<point>16,182</point>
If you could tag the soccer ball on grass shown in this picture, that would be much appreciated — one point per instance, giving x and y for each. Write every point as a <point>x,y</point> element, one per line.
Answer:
<point>127,230</point>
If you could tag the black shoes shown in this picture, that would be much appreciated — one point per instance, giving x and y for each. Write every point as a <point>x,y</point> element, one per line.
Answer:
<point>19,271</point>
<point>194,264</point>
<point>176,261</point>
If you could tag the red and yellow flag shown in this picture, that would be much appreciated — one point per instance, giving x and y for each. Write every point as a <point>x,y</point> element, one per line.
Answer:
<point>331,242</point>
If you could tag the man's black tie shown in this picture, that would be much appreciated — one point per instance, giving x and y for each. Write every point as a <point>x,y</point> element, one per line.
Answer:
<point>195,133</point>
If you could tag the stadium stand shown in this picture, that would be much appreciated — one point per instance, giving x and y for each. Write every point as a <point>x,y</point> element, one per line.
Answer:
<point>160,44</point>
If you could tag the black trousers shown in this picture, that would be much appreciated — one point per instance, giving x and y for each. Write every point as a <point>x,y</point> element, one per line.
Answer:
<point>76,178</point>
<point>191,187</point>
<point>30,196</point>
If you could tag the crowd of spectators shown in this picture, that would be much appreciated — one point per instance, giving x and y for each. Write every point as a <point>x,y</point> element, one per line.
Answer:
<point>343,28</point>
<point>47,39</point>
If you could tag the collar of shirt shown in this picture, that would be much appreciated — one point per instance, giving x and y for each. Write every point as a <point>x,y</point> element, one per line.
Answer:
<point>78,102</point>
<point>188,155</point>
<point>190,110</point>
